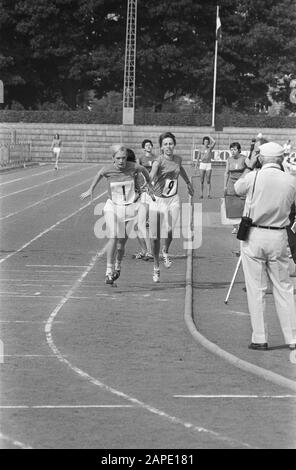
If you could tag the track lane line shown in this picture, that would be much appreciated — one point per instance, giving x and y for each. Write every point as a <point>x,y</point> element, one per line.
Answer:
<point>172,419</point>
<point>235,396</point>
<point>45,182</point>
<point>29,176</point>
<point>45,199</point>
<point>50,228</point>
<point>14,442</point>
<point>214,348</point>
<point>54,407</point>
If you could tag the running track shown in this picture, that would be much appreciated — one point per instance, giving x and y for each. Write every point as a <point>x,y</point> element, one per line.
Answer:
<point>89,366</point>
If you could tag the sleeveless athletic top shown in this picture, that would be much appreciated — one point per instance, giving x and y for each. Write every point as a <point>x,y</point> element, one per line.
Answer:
<point>166,181</point>
<point>206,154</point>
<point>56,143</point>
<point>147,161</point>
<point>236,166</point>
<point>121,182</point>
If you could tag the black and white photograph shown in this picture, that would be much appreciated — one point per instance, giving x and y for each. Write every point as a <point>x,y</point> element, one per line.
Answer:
<point>147,228</point>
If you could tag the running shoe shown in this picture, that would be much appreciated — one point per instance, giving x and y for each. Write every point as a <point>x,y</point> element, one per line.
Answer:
<point>166,259</point>
<point>116,274</point>
<point>139,255</point>
<point>234,230</point>
<point>109,279</point>
<point>156,275</point>
<point>148,256</point>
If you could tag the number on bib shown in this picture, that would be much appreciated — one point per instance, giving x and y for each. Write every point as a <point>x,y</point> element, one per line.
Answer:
<point>123,192</point>
<point>170,188</point>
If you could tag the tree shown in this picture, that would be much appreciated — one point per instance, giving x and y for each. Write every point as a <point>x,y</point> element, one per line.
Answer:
<point>58,50</point>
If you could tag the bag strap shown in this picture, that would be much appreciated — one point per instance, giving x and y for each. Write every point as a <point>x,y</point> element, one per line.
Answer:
<point>248,215</point>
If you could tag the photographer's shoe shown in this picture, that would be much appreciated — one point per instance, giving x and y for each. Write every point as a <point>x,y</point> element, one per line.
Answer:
<point>258,346</point>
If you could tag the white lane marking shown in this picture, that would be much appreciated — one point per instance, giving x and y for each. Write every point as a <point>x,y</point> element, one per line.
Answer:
<point>37,271</point>
<point>27,321</point>
<point>33,296</point>
<point>30,176</point>
<point>56,266</point>
<point>214,348</point>
<point>235,396</point>
<point>44,183</point>
<point>43,200</point>
<point>233,312</point>
<point>14,442</point>
<point>49,229</point>
<point>172,419</point>
<point>53,283</point>
<point>32,280</point>
<point>28,355</point>
<point>11,293</point>
<point>50,407</point>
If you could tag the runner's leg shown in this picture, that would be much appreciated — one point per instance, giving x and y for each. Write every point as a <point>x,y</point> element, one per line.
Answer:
<point>209,178</point>
<point>202,179</point>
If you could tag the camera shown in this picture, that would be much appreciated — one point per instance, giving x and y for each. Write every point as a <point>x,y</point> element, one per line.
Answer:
<point>244,228</point>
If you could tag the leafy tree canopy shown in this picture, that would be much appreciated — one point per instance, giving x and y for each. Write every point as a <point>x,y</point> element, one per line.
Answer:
<point>58,50</point>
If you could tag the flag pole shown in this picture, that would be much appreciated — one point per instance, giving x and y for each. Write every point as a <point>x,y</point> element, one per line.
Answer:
<point>215,72</point>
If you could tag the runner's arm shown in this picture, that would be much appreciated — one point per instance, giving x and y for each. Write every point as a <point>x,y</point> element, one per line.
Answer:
<point>198,159</point>
<point>89,192</point>
<point>226,176</point>
<point>153,172</point>
<point>146,175</point>
<point>213,142</point>
<point>184,175</point>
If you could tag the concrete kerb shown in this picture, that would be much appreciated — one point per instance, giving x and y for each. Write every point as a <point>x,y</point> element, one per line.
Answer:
<point>212,347</point>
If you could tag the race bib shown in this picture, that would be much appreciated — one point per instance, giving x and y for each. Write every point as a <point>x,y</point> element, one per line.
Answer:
<point>123,192</point>
<point>170,188</point>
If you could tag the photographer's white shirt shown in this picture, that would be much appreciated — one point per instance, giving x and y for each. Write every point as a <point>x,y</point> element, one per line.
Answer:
<point>275,192</point>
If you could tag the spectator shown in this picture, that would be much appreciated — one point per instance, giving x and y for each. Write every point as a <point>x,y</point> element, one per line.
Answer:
<point>56,146</point>
<point>264,254</point>
<point>204,158</point>
<point>235,167</point>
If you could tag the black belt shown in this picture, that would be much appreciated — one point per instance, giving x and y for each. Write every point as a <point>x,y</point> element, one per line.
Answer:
<point>269,228</point>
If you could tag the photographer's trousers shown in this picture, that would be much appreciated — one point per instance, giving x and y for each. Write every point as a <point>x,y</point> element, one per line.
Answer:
<point>264,255</point>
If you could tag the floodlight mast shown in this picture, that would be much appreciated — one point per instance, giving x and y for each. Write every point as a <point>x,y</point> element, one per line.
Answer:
<point>130,64</point>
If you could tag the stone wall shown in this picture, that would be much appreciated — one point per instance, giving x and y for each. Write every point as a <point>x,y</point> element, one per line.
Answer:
<point>90,143</point>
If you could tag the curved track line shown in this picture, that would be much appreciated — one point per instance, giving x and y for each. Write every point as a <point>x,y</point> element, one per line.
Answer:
<point>240,363</point>
<point>15,443</point>
<point>103,386</point>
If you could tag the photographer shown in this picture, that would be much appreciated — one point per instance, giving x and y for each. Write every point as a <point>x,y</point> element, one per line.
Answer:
<point>270,194</point>
<point>252,160</point>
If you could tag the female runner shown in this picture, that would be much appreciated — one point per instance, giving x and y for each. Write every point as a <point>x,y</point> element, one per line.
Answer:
<point>164,212</point>
<point>121,207</point>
